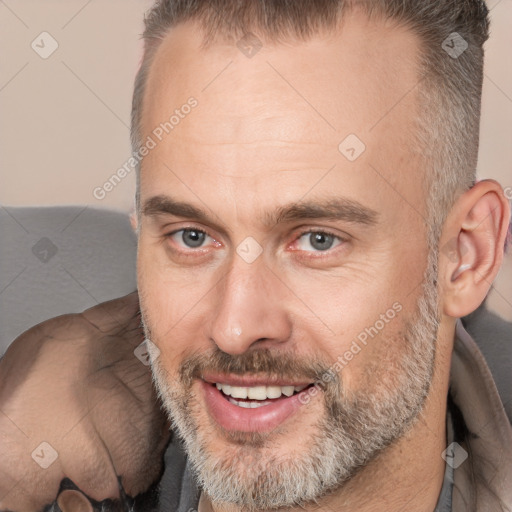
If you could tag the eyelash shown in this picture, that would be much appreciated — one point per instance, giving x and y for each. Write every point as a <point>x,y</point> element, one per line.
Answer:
<point>191,252</point>
<point>319,254</point>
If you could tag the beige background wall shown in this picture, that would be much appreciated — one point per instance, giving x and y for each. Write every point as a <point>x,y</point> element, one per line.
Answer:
<point>64,126</point>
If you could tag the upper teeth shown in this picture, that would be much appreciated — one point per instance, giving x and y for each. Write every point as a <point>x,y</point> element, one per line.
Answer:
<point>258,392</point>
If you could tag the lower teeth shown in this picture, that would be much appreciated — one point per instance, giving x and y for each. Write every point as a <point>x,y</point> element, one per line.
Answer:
<point>249,405</point>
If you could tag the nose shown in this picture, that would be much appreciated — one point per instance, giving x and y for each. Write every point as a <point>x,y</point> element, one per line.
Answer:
<point>250,309</point>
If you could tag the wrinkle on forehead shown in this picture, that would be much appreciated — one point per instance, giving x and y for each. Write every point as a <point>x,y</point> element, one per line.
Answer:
<point>286,110</point>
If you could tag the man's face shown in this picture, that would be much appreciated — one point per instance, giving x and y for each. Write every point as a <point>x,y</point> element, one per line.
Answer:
<point>271,255</point>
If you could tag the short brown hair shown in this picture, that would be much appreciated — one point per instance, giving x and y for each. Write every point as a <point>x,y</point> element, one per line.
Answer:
<point>449,87</point>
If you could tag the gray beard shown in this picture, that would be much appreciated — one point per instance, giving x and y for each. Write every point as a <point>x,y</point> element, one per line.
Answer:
<point>355,428</point>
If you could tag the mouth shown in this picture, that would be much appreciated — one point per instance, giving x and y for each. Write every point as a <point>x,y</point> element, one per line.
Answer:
<point>257,396</point>
<point>251,408</point>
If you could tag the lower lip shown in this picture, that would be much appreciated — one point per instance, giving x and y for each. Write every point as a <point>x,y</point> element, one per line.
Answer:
<point>261,419</point>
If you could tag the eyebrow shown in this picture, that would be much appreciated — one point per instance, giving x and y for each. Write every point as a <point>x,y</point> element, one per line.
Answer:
<point>340,209</point>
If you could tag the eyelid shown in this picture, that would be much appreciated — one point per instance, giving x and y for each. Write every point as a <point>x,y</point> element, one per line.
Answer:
<point>176,227</point>
<point>325,231</point>
<point>342,237</point>
<point>182,248</point>
<point>165,222</point>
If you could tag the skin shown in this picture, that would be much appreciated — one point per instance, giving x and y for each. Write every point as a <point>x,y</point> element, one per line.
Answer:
<point>252,146</point>
<point>63,382</point>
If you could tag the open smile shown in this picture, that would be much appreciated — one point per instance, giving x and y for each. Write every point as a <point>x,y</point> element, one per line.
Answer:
<point>251,408</point>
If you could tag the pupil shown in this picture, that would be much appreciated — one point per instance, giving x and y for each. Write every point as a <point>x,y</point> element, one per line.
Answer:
<point>321,241</point>
<point>192,238</point>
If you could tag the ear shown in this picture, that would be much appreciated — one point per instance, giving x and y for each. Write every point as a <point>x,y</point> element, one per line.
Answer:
<point>472,246</point>
<point>134,221</point>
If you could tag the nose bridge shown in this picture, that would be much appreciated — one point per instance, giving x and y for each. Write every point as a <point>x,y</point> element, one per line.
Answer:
<point>248,309</point>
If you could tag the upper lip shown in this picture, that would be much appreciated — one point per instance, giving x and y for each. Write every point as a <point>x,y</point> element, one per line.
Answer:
<point>250,380</point>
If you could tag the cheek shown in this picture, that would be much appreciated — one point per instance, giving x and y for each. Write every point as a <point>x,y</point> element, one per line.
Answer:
<point>169,296</point>
<point>173,309</point>
<point>345,302</point>
<point>357,320</point>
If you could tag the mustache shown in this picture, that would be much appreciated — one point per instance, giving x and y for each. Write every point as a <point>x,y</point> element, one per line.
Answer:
<point>271,364</point>
<point>261,362</point>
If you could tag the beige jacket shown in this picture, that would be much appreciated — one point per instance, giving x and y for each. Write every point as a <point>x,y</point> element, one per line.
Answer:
<point>482,483</point>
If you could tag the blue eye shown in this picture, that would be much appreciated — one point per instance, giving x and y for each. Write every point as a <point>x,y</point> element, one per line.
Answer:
<point>318,241</point>
<point>189,238</point>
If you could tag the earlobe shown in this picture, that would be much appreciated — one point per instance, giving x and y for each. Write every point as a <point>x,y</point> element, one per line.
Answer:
<point>469,261</point>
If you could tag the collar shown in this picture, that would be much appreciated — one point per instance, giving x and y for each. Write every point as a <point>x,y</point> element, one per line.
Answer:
<point>483,481</point>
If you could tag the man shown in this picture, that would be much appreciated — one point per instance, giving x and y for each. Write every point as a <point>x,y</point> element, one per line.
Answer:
<point>310,231</point>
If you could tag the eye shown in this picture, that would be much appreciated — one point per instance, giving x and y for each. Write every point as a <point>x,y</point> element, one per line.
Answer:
<point>190,238</point>
<point>318,241</point>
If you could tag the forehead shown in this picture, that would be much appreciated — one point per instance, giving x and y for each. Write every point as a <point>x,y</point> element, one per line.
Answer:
<point>286,108</point>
